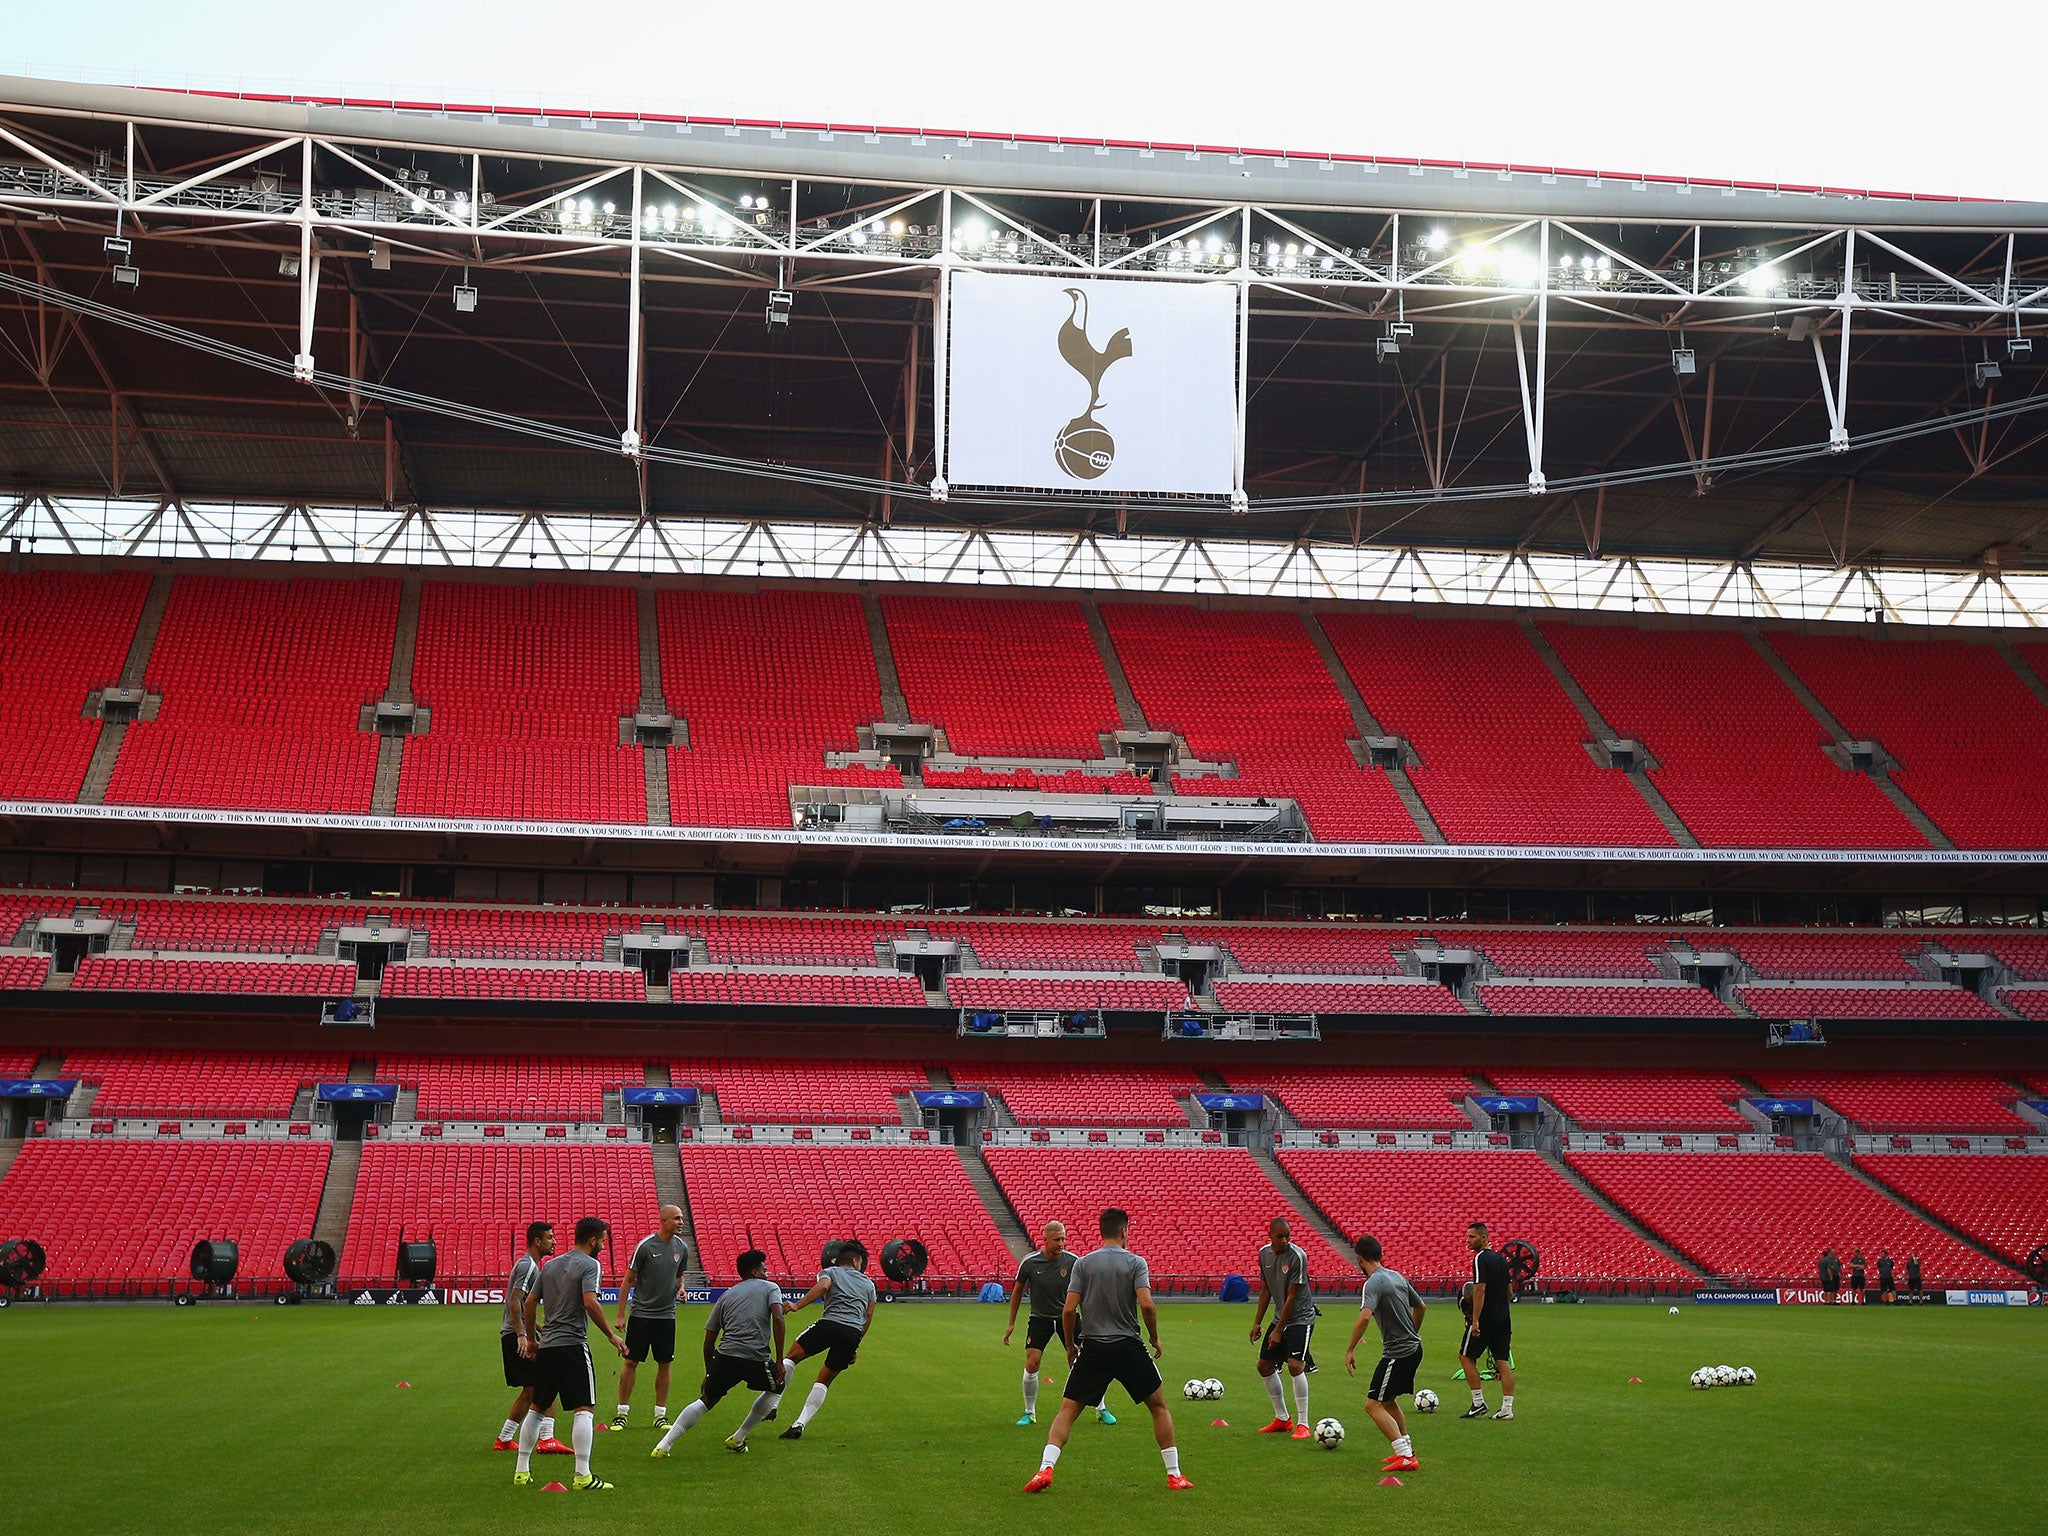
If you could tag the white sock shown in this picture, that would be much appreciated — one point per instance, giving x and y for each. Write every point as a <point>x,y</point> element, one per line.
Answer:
<point>510,1430</point>
<point>1300,1397</point>
<point>788,1371</point>
<point>811,1405</point>
<point>1507,1403</point>
<point>529,1437</point>
<point>764,1405</point>
<point>1102,1404</point>
<point>681,1426</point>
<point>1403,1446</point>
<point>1050,1459</point>
<point>547,1426</point>
<point>1171,1456</point>
<point>1279,1396</point>
<point>581,1431</point>
<point>1031,1391</point>
<point>1478,1398</point>
<point>625,1409</point>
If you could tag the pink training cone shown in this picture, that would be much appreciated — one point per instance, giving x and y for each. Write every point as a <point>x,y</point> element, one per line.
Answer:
<point>555,1488</point>
<point>405,1383</point>
<point>1391,1482</point>
<point>1219,1423</point>
<point>1635,1381</point>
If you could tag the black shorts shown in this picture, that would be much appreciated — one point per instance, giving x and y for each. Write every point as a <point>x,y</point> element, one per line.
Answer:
<point>562,1376</point>
<point>1102,1361</point>
<point>839,1343</point>
<point>1496,1339</point>
<point>1289,1343</point>
<point>729,1371</point>
<point>1394,1377</point>
<point>651,1335</point>
<point>518,1369</point>
<point>1039,1332</point>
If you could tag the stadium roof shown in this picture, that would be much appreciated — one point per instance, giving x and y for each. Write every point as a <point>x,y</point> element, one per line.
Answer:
<point>179,388</point>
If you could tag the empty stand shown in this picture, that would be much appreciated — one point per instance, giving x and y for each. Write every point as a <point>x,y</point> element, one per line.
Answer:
<point>1739,757</point>
<point>1052,946</point>
<point>120,1212</point>
<point>514,933</point>
<point>261,1084</point>
<point>1373,1098</point>
<point>1611,999</point>
<point>131,973</point>
<point>1822,955</point>
<point>510,1087</point>
<point>2026,953</point>
<point>1018,679</point>
<point>1611,1100</point>
<point>475,1199</point>
<point>1827,1000</point>
<point>1043,782</point>
<point>23,973</point>
<point>527,686</point>
<point>62,634</point>
<point>262,685</point>
<point>1766,1216</point>
<point>1311,951</point>
<point>1196,1214</point>
<point>789,1201</point>
<point>1084,1094</point>
<point>1935,1102</point>
<point>1502,748</point>
<point>802,1092</point>
<point>2029,1002</point>
<point>747,938</point>
<point>1336,997</point>
<point>1251,689</point>
<point>535,983</point>
<point>250,927</point>
<point>2002,1202</point>
<point>1962,726</point>
<point>1156,993</point>
<point>813,989</point>
<point>1417,1204</point>
<point>1573,952</point>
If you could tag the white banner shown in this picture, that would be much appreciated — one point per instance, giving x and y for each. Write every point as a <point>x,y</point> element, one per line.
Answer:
<point>1065,384</point>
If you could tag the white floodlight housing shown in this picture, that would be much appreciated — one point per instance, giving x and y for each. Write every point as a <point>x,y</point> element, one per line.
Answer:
<point>781,302</point>
<point>1683,362</point>
<point>2019,346</point>
<point>465,299</point>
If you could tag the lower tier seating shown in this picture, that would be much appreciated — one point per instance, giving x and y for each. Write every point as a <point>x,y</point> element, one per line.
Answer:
<point>2029,1002</point>
<point>813,989</point>
<point>260,1084</point>
<point>1907,1000</point>
<point>1372,1098</point>
<point>1417,1205</point>
<point>1337,997</point>
<point>1084,1095</point>
<point>801,1091</point>
<point>1766,1216</point>
<point>1963,1103</point>
<point>1607,1100</point>
<point>124,1211</point>
<point>2000,1201</point>
<point>1625,999</point>
<point>1155,994</point>
<point>550,983</point>
<point>475,1199</point>
<point>131,973</point>
<point>1195,1214</point>
<point>510,1087</point>
<point>789,1201</point>
<point>23,973</point>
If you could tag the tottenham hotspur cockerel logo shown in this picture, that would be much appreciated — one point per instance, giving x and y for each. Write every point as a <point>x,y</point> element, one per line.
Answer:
<point>1083,448</point>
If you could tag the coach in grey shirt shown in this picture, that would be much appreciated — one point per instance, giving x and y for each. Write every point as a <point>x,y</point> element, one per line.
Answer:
<point>651,1274</point>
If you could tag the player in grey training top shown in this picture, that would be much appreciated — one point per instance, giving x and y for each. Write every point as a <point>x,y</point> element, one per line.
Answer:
<point>849,1297</point>
<point>1283,1283</point>
<point>524,1282</point>
<point>1108,1292</point>
<point>651,1275</point>
<point>560,1350</point>
<point>1043,1276</point>
<point>1388,1299</point>
<point>742,1347</point>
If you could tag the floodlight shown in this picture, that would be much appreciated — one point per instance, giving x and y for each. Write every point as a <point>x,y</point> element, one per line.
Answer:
<point>1683,362</point>
<point>1387,346</point>
<point>2019,346</point>
<point>380,255</point>
<point>127,277</point>
<point>116,246</point>
<point>1400,327</point>
<point>1435,240</point>
<point>1985,372</point>
<point>780,303</point>
<point>288,266</point>
<point>465,299</point>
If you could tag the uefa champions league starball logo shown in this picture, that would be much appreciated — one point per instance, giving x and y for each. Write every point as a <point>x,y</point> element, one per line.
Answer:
<point>1083,448</point>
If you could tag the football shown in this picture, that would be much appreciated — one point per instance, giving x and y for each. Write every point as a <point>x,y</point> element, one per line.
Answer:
<point>1329,1434</point>
<point>1703,1377</point>
<point>1674,1311</point>
<point>1724,1375</point>
<point>1744,1376</point>
<point>1194,1391</point>
<point>1212,1389</point>
<point>1425,1401</point>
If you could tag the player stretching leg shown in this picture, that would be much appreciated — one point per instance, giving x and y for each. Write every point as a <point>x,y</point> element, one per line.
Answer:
<point>742,1348</point>
<point>1489,1329</point>
<point>1283,1281</point>
<point>1389,1298</point>
<point>842,1323</point>
<point>652,1275</point>
<point>1108,1291</point>
<point>560,1350</point>
<point>525,1281</point>
<point>1043,1275</point>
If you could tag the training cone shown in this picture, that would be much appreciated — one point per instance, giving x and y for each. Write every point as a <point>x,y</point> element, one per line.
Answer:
<point>555,1488</point>
<point>1635,1381</point>
<point>1219,1423</point>
<point>405,1383</point>
<point>1390,1482</point>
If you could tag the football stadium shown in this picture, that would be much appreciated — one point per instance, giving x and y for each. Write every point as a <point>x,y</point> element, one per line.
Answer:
<point>1158,832</point>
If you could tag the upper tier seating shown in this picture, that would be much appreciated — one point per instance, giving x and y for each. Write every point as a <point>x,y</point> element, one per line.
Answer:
<point>1372,1098</point>
<point>2026,953</point>
<point>1044,782</point>
<point>591,984</point>
<point>245,927</point>
<point>2029,1002</point>
<point>1825,1000</point>
<point>1607,1099</point>
<point>769,682</point>
<point>262,685</point>
<point>510,1087</point>
<point>1573,952</point>
<point>1336,997</point>
<point>513,933</point>
<point>1502,748</point>
<point>1820,954</point>
<point>1417,1203</point>
<point>1334,950</point>
<point>1154,994</point>
<point>810,989</point>
<point>1249,688</point>
<point>1961,724</point>
<point>1739,758</point>
<point>1961,1103</point>
<point>62,634</point>
<point>131,973</point>
<point>131,1210</point>
<point>23,973</point>
<point>1766,1216</point>
<point>475,1199</point>
<point>206,1084</point>
<point>1005,679</point>
<point>1195,1213</point>
<point>2000,1201</point>
<point>527,686</point>
<point>746,938</point>
<point>800,1091</point>
<point>1051,946</point>
<point>789,1201</point>
<point>1610,999</point>
<point>1084,1094</point>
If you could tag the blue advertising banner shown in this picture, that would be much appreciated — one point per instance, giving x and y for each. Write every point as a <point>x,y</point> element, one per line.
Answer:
<point>1252,1102</point>
<point>1737,1298</point>
<point>1507,1104</point>
<point>357,1093</point>
<point>643,1096</point>
<point>37,1087</point>
<point>1783,1107</point>
<point>2038,1106</point>
<point>950,1098</point>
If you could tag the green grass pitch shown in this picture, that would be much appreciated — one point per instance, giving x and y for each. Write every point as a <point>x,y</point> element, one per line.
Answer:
<point>244,1419</point>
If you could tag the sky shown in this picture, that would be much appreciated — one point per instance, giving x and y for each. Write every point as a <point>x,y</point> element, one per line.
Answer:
<point>1851,99</point>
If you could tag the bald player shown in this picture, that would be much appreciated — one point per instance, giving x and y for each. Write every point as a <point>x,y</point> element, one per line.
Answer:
<point>651,1278</point>
<point>1043,1276</point>
<point>1283,1281</point>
